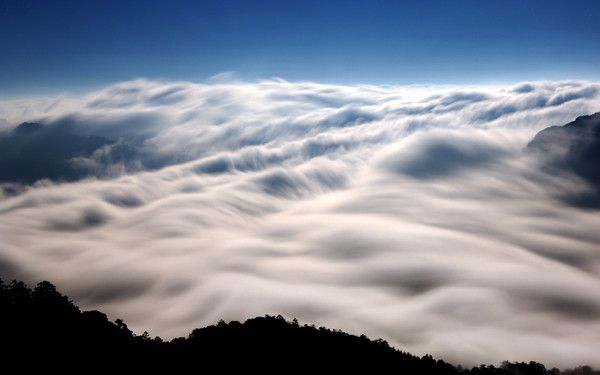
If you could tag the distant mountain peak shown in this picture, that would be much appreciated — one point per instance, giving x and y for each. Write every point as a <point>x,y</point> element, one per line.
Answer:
<point>573,148</point>
<point>28,128</point>
<point>587,121</point>
<point>34,151</point>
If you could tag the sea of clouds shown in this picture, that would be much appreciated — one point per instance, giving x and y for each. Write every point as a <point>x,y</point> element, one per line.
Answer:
<point>410,213</point>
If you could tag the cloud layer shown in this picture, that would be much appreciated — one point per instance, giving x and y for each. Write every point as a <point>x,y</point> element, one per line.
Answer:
<point>408,213</point>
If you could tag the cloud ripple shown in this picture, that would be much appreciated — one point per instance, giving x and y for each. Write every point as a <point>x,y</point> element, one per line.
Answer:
<point>409,213</point>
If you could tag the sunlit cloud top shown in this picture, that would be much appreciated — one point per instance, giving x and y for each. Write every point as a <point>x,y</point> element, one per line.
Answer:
<point>422,215</point>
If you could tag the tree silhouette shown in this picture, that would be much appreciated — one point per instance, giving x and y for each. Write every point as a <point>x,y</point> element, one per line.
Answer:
<point>41,329</point>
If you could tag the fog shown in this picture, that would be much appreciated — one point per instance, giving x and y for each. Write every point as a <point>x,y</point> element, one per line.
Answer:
<point>411,213</point>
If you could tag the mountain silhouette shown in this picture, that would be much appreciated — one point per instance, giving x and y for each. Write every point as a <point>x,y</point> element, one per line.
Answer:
<point>574,149</point>
<point>43,330</point>
<point>33,151</point>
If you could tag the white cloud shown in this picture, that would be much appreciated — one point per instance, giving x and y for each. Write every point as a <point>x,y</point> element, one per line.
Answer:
<point>409,213</point>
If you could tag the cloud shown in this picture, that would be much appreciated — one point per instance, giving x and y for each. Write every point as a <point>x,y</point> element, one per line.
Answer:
<point>441,155</point>
<point>409,213</point>
<point>87,218</point>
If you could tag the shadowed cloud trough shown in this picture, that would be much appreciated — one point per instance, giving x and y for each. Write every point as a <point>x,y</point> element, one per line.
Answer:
<point>409,213</point>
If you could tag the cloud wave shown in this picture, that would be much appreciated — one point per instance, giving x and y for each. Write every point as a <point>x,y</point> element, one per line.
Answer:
<point>408,213</point>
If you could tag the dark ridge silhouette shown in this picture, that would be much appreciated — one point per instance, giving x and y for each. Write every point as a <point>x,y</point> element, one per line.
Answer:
<point>33,152</point>
<point>40,329</point>
<point>573,148</point>
<point>65,151</point>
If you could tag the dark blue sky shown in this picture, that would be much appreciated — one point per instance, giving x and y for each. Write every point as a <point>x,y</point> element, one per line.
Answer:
<point>52,46</point>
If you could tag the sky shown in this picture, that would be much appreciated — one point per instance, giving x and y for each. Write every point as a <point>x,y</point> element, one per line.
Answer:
<point>65,46</point>
<point>422,172</point>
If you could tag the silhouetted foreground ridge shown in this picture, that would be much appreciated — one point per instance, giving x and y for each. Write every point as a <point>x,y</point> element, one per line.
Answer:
<point>42,329</point>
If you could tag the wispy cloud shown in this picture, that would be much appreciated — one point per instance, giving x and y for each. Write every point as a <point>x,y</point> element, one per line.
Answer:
<point>409,213</point>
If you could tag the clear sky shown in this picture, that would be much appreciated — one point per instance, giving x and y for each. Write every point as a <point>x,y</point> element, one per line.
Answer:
<point>54,46</point>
